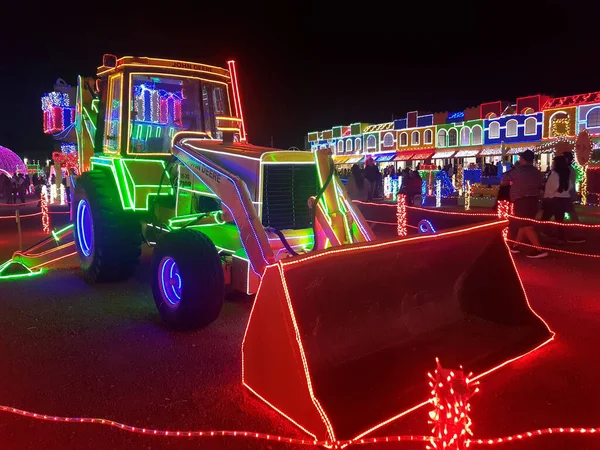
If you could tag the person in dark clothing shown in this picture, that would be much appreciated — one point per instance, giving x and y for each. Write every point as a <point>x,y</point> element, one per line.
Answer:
<point>525,183</point>
<point>372,174</point>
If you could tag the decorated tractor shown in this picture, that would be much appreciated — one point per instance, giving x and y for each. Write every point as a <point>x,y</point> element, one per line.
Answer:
<point>164,159</point>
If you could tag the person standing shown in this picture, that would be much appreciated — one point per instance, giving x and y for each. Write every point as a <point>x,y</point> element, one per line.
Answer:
<point>525,182</point>
<point>557,194</point>
<point>372,174</point>
<point>357,186</point>
<point>577,238</point>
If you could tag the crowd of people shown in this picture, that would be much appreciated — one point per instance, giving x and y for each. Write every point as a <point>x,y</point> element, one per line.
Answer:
<point>367,184</point>
<point>15,187</point>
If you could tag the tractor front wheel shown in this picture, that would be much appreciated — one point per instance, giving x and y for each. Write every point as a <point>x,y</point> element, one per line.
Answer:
<point>188,284</point>
<point>108,239</point>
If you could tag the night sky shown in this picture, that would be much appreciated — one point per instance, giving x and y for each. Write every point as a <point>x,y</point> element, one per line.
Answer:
<point>306,66</point>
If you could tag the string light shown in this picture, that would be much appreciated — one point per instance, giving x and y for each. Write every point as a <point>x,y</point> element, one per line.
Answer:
<point>401,215</point>
<point>505,209</point>
<point>438,193</point>
<point>450,392</point>
<point>468,195</point>
<point>45,215</point>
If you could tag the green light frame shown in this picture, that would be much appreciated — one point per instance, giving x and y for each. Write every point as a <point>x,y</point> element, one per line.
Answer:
<point>126,184</point>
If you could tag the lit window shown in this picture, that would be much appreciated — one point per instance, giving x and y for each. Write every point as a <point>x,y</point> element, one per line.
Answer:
<point>452,137</point>
<point>494,130</point>
<point>511,128</point>
<point>403,139</point>
<point>388,140</point>
<point>441,138</point>
<point>530,125</point>
<point>559,124</point>
<point>357,145</point>
<point>476,135</point>
<point>593,118</point>
<point>371,142</point>
<point>349,146</point>
<point>340,147</point>
<point>414,138</point>
<point>428,136</point>
<point>465,136</point>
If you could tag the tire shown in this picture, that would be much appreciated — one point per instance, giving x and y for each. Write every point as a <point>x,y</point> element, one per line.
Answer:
<point>108,239</point>
<point>188,284</point>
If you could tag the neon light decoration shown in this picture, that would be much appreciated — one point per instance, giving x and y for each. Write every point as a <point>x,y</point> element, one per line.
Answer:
<point>157,105</point>
<point>58,114</point>
<point>68,147</point>
<point>85,232</point>
<point>45,215</point>
<point>237,102</point>
<point>450,392</point>
<point>401,215</point>
<point>12,269</point>
<point>468,195</point>
<point>171,283</point>
<point>10,163</point>
<point>438,193</point>
<point>426,227</point>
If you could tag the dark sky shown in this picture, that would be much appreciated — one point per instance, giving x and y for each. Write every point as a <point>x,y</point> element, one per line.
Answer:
<point>307,66</point>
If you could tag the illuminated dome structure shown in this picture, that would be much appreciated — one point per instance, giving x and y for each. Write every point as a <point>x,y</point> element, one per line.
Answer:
<point>10,162</point>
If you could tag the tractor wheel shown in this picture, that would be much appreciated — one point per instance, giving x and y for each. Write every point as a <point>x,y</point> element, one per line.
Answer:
<point>108,239</point>
<point>187,279</point>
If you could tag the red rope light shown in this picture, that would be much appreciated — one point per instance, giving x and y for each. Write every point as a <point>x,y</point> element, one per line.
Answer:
<point>549,249</point>
<point>289,440</point>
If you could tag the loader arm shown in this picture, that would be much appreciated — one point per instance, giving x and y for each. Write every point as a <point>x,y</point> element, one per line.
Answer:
<point>341,222</point>
<point>236,199</point>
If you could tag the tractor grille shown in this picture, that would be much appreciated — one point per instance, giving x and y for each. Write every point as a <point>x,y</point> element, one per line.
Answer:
<point>286,190</point>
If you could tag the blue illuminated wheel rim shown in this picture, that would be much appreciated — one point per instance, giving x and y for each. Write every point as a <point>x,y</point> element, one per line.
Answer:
<point>85,227</point>
<point>170,282</point>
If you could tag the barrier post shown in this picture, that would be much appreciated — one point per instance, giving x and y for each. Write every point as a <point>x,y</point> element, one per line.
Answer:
<point>45,214</point>
<point>18,219</point>
<point>468,195</point>
<point>401,215</point>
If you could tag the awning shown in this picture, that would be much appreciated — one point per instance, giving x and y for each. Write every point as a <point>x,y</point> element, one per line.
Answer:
<point>517,150</point>
<point>354,159</point>
<point>403,156</point>
<point>384,157</point>
<point>442,155</point>
<point>340,159</point>
<point>421,155</point>
<point>466,153</point>
<point>492,151</point>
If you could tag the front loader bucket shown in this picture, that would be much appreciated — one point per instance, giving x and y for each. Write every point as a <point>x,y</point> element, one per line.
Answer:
<point>340,341</point>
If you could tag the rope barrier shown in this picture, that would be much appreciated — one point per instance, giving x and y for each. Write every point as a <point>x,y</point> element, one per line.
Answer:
<point>290,440</point>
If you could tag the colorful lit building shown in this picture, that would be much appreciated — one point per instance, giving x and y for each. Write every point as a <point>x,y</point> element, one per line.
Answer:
<point>416,138</point>
<point>516,128</point>
<point>487,133</point>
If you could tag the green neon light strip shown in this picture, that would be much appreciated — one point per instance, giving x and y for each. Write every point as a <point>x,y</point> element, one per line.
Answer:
<point>57,234</point>
<point>31,273</point>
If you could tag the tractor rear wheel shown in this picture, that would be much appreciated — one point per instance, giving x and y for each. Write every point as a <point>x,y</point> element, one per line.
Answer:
<point>188,284</point>
<point>108,239</point>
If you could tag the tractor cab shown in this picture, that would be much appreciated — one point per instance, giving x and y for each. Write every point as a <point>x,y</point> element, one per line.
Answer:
<point>137,106</point>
